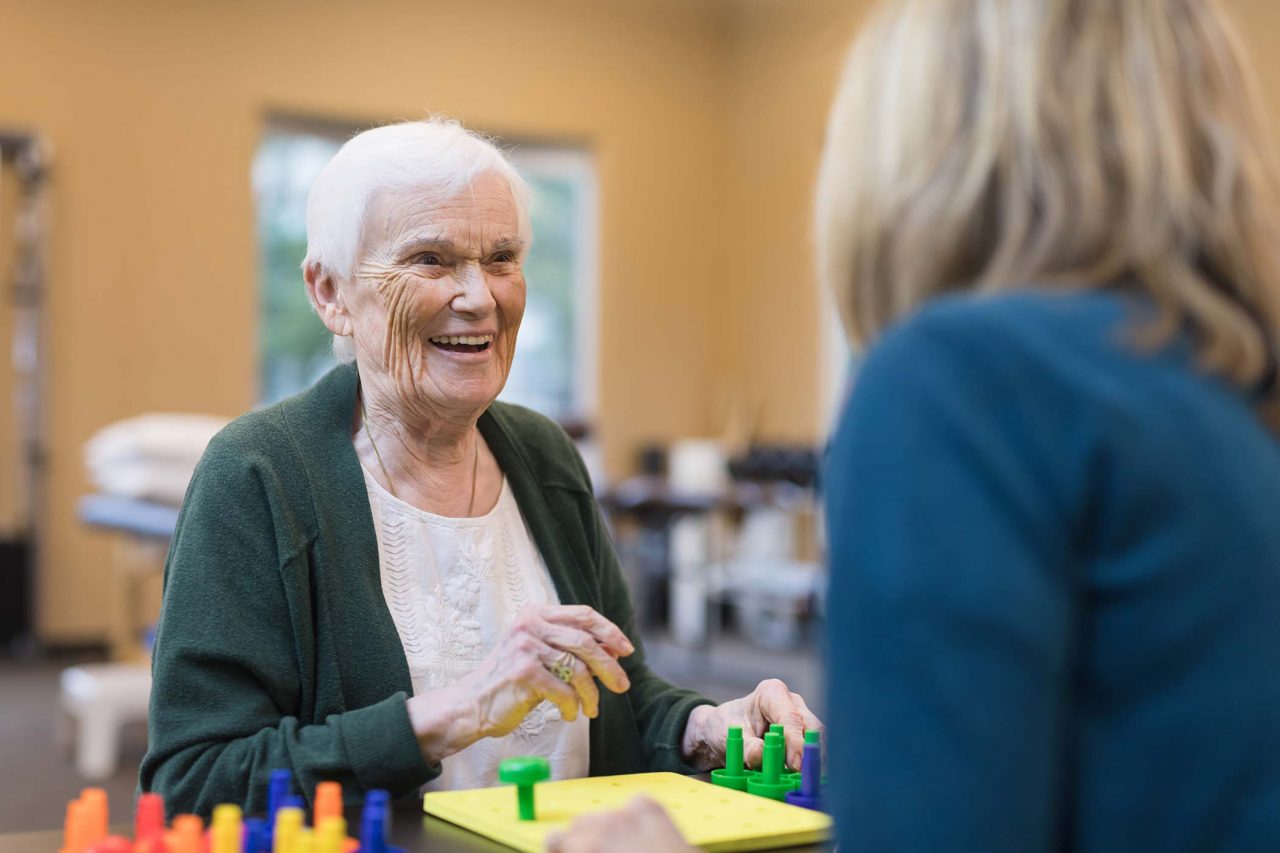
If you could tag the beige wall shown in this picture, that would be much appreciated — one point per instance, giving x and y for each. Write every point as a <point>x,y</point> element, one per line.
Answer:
<point>785,58</point>
<point>706,117</point>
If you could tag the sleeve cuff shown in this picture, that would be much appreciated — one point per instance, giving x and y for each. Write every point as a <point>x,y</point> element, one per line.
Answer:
<point>669,743</point>
<point>383,750</point>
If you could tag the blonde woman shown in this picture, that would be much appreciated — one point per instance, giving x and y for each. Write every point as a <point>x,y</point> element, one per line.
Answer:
<point>1054,491</point>
<point>1053,223</point>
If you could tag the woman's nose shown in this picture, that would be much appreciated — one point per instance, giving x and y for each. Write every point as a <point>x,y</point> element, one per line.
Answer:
<point>474,298</point>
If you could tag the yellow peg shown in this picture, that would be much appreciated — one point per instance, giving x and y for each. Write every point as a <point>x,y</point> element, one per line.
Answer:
<point>226,832</point>
<point>289,826</point>
<point>306,841</point>
<point>331,836</point>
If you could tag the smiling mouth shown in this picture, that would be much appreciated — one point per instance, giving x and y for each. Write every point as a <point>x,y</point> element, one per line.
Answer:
<point>463,343</point>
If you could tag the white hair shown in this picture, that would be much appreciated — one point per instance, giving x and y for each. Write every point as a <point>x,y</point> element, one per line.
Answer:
<point>437,156</point>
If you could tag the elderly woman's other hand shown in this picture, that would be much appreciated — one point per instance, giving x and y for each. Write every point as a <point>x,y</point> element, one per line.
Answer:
<point>771,702</point>
<point>572,640</point>
<point>642,826</point>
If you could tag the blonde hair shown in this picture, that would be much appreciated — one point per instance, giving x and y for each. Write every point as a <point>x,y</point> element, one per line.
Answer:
<point>983,145</point>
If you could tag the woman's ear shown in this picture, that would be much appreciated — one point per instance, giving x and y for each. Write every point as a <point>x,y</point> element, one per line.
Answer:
<point>326,299</point>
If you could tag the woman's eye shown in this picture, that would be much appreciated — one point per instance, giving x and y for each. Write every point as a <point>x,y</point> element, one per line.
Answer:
<point>430,259</point>
<point>504,258</point>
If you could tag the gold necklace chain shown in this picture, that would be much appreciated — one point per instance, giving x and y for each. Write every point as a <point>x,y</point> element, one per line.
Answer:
<point>391,486</point>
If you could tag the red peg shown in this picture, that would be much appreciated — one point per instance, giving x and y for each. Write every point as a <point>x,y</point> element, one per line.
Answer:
<point>148,818</point>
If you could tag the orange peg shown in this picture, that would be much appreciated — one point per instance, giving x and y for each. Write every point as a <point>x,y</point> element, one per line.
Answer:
<point>71,842</point>
<point>328,802</point>
<point>93,812</point>
<point>114,844</point>
<point>187,835</point>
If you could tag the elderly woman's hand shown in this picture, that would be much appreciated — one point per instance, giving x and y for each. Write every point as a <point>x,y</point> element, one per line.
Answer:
<point>642,826</point>
<point>491,700</point>
<point>770,702</point>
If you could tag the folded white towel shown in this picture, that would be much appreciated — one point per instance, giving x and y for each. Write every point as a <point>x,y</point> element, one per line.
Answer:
<point>149,457</point>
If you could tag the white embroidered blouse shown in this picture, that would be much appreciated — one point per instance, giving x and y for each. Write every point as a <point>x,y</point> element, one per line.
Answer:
<point>454,586</point>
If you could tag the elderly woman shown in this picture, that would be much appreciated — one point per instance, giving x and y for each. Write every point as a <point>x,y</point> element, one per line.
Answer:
<point>390,580</point>
<point>1052,495</point>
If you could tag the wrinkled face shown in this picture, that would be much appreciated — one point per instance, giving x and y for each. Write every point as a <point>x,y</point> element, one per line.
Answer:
<point>438,295</point>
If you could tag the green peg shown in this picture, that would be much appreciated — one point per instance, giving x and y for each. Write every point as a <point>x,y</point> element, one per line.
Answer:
<point>735,774</point>
<point>771,766</point>
<point>524,772</point>
<point>771,783</point>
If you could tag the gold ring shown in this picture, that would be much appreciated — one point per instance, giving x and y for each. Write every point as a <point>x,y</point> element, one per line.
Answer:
<point>562,667</point>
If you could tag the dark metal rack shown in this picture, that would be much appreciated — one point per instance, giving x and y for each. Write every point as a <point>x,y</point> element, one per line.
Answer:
<point>26,157</point>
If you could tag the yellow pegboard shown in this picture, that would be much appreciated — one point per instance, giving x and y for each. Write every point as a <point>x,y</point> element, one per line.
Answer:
<point>711,817</point>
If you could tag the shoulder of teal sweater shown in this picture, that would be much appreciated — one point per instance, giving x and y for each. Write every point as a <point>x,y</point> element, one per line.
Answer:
<point>974,382</point>
<point>544,445</point>
<point>1026,313</point>
<point>1019,333</point>
<point>1009,361</point>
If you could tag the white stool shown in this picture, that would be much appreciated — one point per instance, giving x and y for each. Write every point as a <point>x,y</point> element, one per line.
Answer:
<point>102,698</point>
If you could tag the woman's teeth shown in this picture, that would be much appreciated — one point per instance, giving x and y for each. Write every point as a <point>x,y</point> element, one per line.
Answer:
<point>469,340</point>
<point>463,343</point>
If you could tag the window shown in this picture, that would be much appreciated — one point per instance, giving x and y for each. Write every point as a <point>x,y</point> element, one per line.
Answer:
<point>554,369</point>
<point>294,343</point>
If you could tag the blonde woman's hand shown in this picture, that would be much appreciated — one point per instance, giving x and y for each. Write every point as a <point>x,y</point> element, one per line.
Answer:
<point>492,699</point>
<point>642,826</point>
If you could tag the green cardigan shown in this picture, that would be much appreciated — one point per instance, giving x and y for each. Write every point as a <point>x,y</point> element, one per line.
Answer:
<point>275,647</point>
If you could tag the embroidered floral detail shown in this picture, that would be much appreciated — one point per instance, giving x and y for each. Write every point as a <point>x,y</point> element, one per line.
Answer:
<point>453,604</point>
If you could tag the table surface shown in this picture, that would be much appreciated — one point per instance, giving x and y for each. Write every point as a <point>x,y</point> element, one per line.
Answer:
<point>411,829</point>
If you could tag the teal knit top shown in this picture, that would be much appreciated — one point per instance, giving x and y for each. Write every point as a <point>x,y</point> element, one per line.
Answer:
<point>275,648</point>
<point>1055,589</point>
